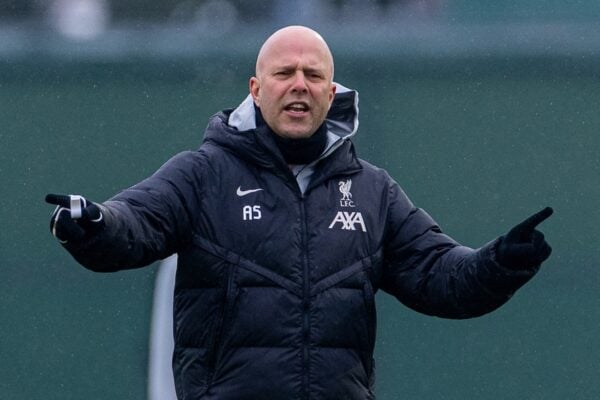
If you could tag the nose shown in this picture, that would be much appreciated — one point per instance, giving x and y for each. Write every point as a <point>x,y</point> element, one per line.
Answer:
<point>299,83</point>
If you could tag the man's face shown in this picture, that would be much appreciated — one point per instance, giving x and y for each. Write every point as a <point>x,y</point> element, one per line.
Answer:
<point>293,87</point>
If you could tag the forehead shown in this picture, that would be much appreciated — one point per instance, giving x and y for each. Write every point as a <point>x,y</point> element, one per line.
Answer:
<point>286,50</point>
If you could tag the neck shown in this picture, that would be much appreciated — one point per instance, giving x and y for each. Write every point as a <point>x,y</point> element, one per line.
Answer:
<point>298,151</point>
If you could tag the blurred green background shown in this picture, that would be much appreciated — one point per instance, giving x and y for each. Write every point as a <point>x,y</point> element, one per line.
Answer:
<point>480,137</point>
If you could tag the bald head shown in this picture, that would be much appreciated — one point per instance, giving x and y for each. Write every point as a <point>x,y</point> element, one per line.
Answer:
<point>293,37</point>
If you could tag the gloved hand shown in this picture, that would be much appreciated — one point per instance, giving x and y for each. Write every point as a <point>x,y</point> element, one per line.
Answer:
<point>523,246</point>
<point>74,218</point>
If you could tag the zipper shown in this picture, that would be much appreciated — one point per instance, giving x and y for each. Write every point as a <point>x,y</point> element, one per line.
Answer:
<point>305,304</point>
<point>219,328</point>
<point>369,298</point>
<point>371,315</point>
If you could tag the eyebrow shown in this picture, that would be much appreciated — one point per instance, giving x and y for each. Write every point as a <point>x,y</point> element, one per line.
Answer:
<point>288,67</point>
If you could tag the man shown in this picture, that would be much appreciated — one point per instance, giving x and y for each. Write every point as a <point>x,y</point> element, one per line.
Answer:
<point>283,238</point>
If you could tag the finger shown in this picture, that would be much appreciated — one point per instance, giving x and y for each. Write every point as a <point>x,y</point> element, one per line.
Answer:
<point>91,213</point>
<point>62,200</point>
<point>64,228</point>
<point>78,204</point>
<point>73,202</point>
<point>541,247</point>
<point>530,223</point>
<point>545,252</point>
<point>92,219</point>
<point>537,238</point>
<point>54,217</point>
<point>520,253</point>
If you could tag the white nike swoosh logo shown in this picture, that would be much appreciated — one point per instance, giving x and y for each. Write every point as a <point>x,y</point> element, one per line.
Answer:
<point>241,192</point>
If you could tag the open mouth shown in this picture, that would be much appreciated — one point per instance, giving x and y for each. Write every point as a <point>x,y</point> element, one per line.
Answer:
<point>298,107</point>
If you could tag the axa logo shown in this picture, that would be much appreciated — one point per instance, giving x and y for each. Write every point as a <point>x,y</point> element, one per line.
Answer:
<point>349,221</point>
<point>346,200</point>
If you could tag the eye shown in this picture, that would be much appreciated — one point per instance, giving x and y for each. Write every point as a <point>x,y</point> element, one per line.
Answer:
<point>314,75</point>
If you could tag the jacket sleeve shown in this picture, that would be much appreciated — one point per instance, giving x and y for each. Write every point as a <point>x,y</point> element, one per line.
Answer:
<point>146,222</point>
<point>431,273</point>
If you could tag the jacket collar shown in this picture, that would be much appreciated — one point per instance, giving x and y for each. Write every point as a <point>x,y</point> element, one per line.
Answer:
<point>236,130</point>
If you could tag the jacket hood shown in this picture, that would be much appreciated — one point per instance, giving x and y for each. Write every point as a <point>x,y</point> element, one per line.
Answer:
<point>236,131</point>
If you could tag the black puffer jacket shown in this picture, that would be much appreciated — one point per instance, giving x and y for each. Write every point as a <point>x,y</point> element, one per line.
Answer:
<point>277,274</point>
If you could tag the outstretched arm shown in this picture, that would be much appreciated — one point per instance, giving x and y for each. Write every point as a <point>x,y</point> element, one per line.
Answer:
<point>433,274</point>
<point>140,225</point>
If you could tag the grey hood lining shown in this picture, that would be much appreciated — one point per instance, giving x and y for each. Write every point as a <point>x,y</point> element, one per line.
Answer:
<point>342,124</point>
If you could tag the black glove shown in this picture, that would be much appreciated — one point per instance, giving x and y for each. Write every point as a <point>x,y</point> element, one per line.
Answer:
<point>74,218</point>
<point>523,246</point>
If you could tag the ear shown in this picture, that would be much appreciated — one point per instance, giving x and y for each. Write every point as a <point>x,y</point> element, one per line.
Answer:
<point>254,87</point>
<point>332,91</point>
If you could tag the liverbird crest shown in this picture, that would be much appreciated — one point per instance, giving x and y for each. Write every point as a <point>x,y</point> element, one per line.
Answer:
<point>346,200</point>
